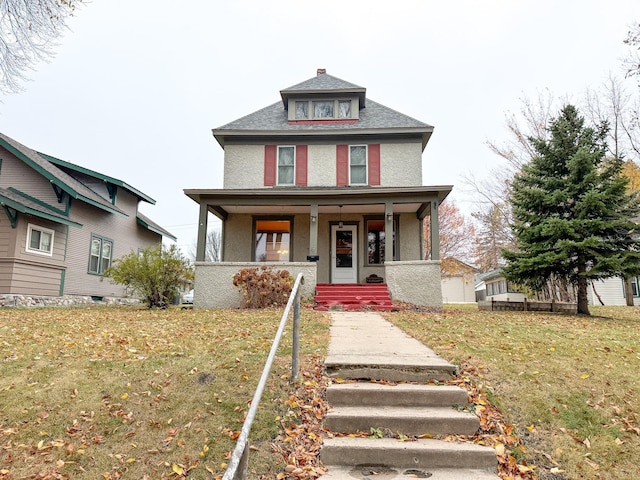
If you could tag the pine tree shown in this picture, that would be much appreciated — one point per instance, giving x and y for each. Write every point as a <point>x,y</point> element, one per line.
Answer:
<point>574,218</point>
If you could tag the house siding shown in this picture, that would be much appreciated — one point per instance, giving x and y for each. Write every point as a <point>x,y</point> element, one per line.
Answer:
<point>610,290</point>
<point>400,165</point>
<point>17,174</point>
<point>125,233</point>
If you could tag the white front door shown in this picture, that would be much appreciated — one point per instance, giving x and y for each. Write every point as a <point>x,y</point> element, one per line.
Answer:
<point>344,254</point>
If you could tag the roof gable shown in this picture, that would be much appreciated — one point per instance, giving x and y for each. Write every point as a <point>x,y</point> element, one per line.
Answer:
<point>323,84</point>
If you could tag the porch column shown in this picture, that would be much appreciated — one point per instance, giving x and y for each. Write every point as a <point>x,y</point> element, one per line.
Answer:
<point>313,231</point>
<point>202,233</point>
<point>435,231</point>
<point>388,231</point>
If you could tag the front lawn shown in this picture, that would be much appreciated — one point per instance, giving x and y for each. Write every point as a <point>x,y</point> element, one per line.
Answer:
<point>569,384</point>
<point>124,392</point>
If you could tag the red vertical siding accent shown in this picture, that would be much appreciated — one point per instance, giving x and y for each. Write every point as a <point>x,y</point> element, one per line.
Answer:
<point>301,165</point>
<point>374,164</point>
<point>270,153</point>
<point>342,165</point>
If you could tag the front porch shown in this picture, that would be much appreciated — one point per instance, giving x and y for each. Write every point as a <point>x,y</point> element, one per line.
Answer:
<point>416,282</point>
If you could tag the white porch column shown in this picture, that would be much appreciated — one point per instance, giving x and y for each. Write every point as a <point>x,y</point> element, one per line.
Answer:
<point>313,231</point>
<point>435,231</point>
<point>202,233</point>
<point>388,229</point>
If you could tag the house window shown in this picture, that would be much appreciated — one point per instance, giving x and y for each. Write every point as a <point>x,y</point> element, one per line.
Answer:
<point>302,109</point>
<point>39,240</point>
<point>273,240</point>
<point>635,286</point>
<point>100,254</point>
<point>376,241</point>
<point>323,109</point>
<point>344,109</point>
<point>358,165</point>
<point>286,165</point>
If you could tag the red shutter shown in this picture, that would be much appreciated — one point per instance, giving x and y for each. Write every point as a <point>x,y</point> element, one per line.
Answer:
<point>301,165</point>
<point>374,164</point>
<point>270,153</point>
<point>342,165</point>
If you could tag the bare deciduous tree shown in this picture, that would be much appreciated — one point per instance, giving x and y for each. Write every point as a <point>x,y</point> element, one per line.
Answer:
<point>213,247</point>
<point>28,31</point>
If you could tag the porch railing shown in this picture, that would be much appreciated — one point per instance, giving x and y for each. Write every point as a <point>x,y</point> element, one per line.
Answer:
<point>237,468</point>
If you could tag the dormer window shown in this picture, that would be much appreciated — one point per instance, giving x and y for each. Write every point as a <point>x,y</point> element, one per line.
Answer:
<point>336,109</point>
<point>302,110</point>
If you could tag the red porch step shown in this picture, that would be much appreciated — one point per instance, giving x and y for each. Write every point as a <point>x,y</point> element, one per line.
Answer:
<point>352,296</point>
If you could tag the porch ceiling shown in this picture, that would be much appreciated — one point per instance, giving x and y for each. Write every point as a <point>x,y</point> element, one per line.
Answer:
<point>368,200</point>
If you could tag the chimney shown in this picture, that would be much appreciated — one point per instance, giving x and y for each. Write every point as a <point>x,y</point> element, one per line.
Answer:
<point>322,71</point>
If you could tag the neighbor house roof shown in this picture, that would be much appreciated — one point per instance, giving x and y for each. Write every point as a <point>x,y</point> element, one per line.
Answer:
<point>57,177</point>
<point>149,224</point>
<point>374,118</point>
<point>11,199</point>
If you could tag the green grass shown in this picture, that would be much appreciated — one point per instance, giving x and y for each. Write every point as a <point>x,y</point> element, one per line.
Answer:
<point>568,383</point>
<point>116,392</point>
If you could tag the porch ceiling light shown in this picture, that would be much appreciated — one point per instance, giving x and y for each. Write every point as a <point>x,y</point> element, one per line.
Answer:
<point>313,219</point>
<point>389,217</point>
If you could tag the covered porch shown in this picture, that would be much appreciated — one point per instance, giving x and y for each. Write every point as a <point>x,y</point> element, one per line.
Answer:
<point>337,235</point>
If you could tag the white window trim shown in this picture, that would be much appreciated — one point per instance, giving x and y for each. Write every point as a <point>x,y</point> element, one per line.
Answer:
<point>278,166</point>
<point>366,164</point>
<point>30,228</point>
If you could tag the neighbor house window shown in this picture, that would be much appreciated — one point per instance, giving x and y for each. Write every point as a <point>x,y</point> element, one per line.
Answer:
<point>358,165</point>
<point>377,241</point>
<point>635,283</point>
<point>39,240</point>
<point>286,165</point>
<point>100,254</point>
<point>273,240</point>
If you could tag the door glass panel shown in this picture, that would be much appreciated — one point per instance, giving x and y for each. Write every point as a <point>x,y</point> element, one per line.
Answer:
<point>344,249</point>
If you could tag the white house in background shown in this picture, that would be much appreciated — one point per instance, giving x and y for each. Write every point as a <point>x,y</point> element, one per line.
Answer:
<point>459,286</point>
<point>609,291</point>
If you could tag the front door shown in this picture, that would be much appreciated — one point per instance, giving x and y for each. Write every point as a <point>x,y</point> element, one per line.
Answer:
<point>344,254</point>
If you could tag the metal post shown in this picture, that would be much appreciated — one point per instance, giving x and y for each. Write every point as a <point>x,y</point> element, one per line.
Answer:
<point>241,472</point>
<point>296,338</point>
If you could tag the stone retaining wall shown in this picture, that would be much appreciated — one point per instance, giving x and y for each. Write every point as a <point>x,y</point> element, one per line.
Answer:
<point>64,301</point>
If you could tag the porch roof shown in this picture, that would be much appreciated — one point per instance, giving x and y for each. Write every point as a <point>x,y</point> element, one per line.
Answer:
<point>290,200</point>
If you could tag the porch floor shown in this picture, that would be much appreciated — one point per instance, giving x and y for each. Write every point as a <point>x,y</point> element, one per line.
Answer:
<point>353,296</point>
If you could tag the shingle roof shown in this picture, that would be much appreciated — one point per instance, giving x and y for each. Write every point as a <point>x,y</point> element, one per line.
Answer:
<point>374,118</point>
<point>66,182</point>
<point>149,224</point>
<point>12,199</point>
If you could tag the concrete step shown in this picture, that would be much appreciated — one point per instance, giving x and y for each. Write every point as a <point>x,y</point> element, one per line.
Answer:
<point>368,473</point>
<point>424,454</point>
<point>407,420</point>
<point>407,395</point>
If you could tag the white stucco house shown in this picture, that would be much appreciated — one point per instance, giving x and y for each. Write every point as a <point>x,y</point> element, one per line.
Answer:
<point>327,182</point>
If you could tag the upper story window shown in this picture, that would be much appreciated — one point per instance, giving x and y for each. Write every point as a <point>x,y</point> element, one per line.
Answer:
<point>286,165</point>
<point>335,109</point>
<point>358,165</point>
<point>39,240</point>
<point>100,254</point>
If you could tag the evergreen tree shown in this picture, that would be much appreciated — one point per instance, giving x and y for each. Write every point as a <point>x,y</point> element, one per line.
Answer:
<point>574,218</point>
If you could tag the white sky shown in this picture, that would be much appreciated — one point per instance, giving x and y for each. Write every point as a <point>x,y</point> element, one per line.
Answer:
<point>136,86</point>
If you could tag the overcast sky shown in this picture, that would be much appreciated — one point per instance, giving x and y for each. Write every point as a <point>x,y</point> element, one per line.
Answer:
<point>136,86</point>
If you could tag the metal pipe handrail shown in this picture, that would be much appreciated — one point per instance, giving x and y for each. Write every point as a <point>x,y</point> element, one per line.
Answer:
<point>237,468</point>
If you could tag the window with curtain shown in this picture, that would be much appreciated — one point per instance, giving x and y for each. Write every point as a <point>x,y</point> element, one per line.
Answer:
<point>100,254</point>
<point>286,165</point>
<point>344,109</point>
<point>358,165</point>
<point>273,240</point>
<point>323,109</point>
<point>39,240</point>
<point>302,109</point>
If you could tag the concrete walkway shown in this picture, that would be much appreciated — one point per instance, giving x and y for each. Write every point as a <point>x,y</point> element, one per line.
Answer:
<point>364,346</point>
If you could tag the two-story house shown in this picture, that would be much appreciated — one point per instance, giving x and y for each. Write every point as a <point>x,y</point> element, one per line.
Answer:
<point>61,225</point>
<point>326,182</point>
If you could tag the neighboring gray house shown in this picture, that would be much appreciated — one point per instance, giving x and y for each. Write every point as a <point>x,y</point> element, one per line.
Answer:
<point>327,182</point>
<point>61,225</point>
